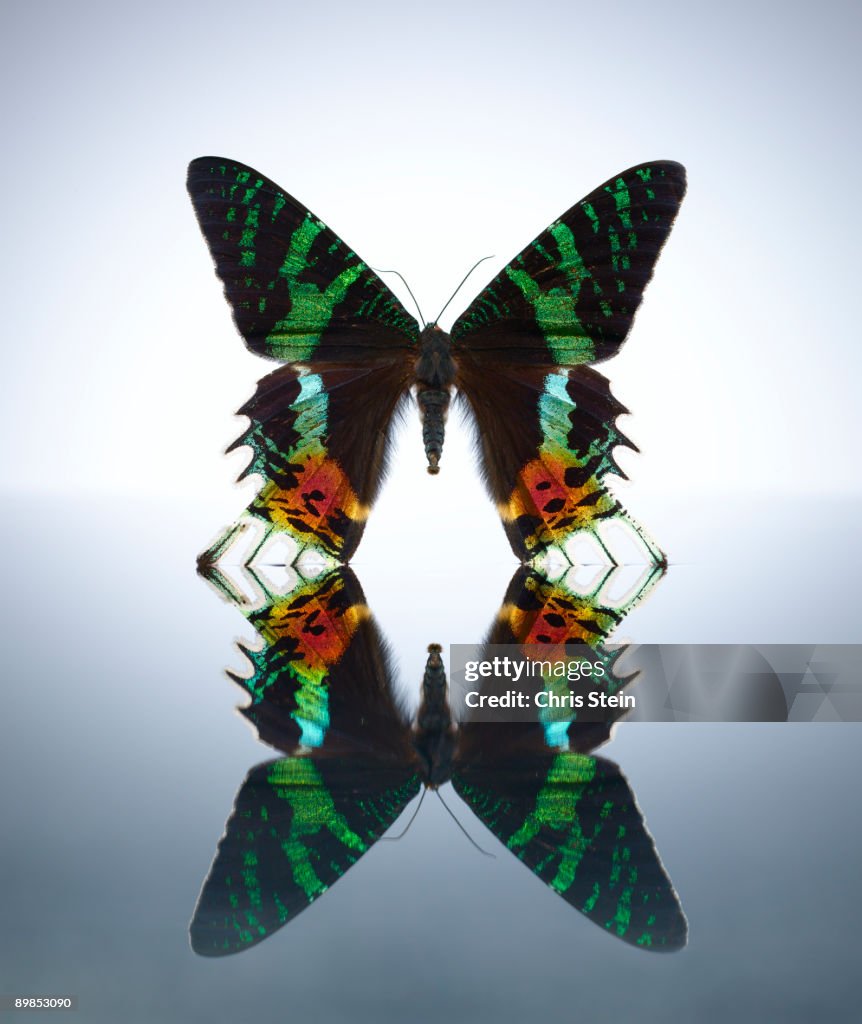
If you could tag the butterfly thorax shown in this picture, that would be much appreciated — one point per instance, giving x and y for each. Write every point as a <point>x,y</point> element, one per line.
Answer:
<point>434,737</point>
<point>435,373</point>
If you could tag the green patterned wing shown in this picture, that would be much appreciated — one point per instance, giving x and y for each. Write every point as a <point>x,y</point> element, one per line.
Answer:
<point>297,825</point>
<point>319,428</point>
<point>573,820</point>
<point>570,297</point>
<point>547,423</point>
<point>298,293</point>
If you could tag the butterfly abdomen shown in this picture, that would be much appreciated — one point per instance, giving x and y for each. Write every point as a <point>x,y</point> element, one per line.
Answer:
<point>435,372</point>
<point>434,738</point>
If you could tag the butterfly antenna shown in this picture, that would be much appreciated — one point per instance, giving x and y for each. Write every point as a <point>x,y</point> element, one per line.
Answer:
<point>393,839</point>
<point>460,286</point>
<point>464,830</point>
<point>407,286</point>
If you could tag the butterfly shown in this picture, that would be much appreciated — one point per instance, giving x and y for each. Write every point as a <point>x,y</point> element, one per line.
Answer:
<point>520,357</point>
<point>321,690</point>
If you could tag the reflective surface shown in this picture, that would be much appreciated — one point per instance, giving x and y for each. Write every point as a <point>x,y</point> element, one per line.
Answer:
<point>120,761</point>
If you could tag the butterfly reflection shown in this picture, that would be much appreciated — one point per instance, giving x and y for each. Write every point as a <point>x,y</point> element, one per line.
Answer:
<point>519,357</point>
<point>321,691</point>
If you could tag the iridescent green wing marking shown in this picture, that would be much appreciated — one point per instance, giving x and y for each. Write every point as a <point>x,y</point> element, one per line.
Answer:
<point>298,293</point>
<point>571,295</point>
<point>573,820</point>
<point>297,825</point>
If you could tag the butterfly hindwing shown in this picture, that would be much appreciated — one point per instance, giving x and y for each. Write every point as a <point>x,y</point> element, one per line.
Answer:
<point>319,440</point>
<point>537,611</point>
<point>297,825</point>
<point>546,442</point>
<point>548,624</point>
<point>573,820</point>
<point>298,293</point>
<point>570,297</point>
<point>322,681</point>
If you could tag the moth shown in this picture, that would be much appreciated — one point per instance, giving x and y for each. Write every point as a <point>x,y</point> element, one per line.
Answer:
<point>520,356</point>
<point>321,690</point>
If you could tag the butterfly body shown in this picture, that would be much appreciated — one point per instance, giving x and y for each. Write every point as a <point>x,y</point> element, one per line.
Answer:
<point>435,374</point>
<point>320,427</point>
<point>434,736</point>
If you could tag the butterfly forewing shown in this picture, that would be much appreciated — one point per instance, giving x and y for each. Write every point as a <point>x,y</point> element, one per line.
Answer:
<point>573,820</point>
<point>298,293</point>
<point>296,827</point>
<point>571,295</point>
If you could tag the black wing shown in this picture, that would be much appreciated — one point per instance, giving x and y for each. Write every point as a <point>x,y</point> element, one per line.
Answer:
<point>573,820</point>
<point>570,297</point>
<point>298,293</point>
<point>297,825</point>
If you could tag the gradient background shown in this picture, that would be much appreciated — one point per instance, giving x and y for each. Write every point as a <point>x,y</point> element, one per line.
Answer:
<point>426,139</point>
